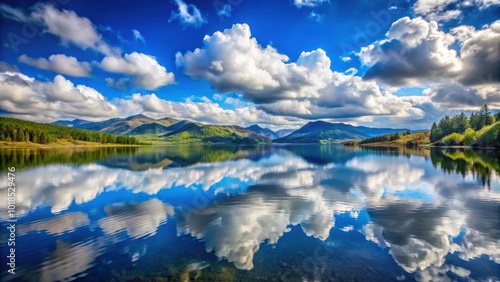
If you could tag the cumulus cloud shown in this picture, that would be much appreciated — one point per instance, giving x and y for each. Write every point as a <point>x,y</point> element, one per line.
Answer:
<point>414,52</point>
<point>188,15</point>
<point>65,24</point>
<point>25,97</point>
<point>457,96</point>
<point>480,54</point>
<point>6,67</point>
<point>147,73</point>
<point>308,3</point>
<point>60,64</point>
<point>233,61</point>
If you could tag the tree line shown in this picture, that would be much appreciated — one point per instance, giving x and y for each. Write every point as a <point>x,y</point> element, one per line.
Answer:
<point>383,138</point>
<point>16,130</point>
<point>479,129</point>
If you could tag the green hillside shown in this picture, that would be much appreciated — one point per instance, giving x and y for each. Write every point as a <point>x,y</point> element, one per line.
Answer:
<point>214,134</point>
<point>150,128</point>
<point>405,138</point>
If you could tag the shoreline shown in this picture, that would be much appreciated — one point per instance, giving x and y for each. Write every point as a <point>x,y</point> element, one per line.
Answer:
<point>425,146</point>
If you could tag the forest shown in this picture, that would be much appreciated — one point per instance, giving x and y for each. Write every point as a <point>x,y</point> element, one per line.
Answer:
<point>384,138</point>
<point>479,129</point>
<point>15,130</point>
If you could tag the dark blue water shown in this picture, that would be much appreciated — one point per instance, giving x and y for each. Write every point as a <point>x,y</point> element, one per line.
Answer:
<point>282,213</point>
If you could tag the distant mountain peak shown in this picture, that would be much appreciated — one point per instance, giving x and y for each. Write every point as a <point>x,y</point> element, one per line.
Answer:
<point>136,116</point>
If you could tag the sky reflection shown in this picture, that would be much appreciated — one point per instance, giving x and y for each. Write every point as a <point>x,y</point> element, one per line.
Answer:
<point>433,222</point>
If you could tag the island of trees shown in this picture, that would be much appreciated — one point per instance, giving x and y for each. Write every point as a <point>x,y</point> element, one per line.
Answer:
<point>15,130</point>
<point>480,129</point>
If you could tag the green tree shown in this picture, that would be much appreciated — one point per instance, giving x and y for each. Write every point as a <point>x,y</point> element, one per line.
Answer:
<point>461,123</point>
<point>486,117</point>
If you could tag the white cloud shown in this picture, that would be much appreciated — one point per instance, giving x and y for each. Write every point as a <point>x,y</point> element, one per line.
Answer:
<point>138,36</point>
<point>233,61</point>
<point>60,64</point>
<point>67,25</point>
<point>316,17</point>
<point>457,96</point>
<point>188,14</point>
<point>415,52</point>
<point>437,10</point>
<point>480,54</point>
<point>147,73</point>
<point>463,32</point>
<point>345,58</point>
<point>309,3</point>
<point>225,11</point>
<point>25,97</point>
<point>447,10</point>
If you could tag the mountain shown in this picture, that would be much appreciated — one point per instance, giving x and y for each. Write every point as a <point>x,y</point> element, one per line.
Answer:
<point>167,121</point>
<point>219,134</point>
<point>126,125</point>
<point>121,126</point>
<point>150,128</point>
<point>76,123</point>
<point>284,132</point>
<point>321,131</point>
<point>263,131</point>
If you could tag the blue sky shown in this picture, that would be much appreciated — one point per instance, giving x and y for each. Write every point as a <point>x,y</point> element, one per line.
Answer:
<point>276,63</point>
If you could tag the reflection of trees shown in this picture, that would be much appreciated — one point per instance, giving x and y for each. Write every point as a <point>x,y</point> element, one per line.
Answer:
<point>132,158</point>
<point>24,158</point>
<point>480,164</point>
<point>397,151</point>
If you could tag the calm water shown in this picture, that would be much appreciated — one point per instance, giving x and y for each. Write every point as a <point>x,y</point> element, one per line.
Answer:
<point>282,213</point>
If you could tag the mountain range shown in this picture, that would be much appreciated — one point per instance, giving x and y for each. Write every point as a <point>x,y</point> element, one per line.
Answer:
<point>184,131</point>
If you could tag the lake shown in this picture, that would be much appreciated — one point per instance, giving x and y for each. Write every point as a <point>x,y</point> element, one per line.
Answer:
<point>266,213</point>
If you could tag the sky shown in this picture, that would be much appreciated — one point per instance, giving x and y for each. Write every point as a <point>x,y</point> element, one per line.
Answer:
<point>276,63</point>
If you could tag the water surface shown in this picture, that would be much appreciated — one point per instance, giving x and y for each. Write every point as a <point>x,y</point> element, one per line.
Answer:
<point>282,213</point>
